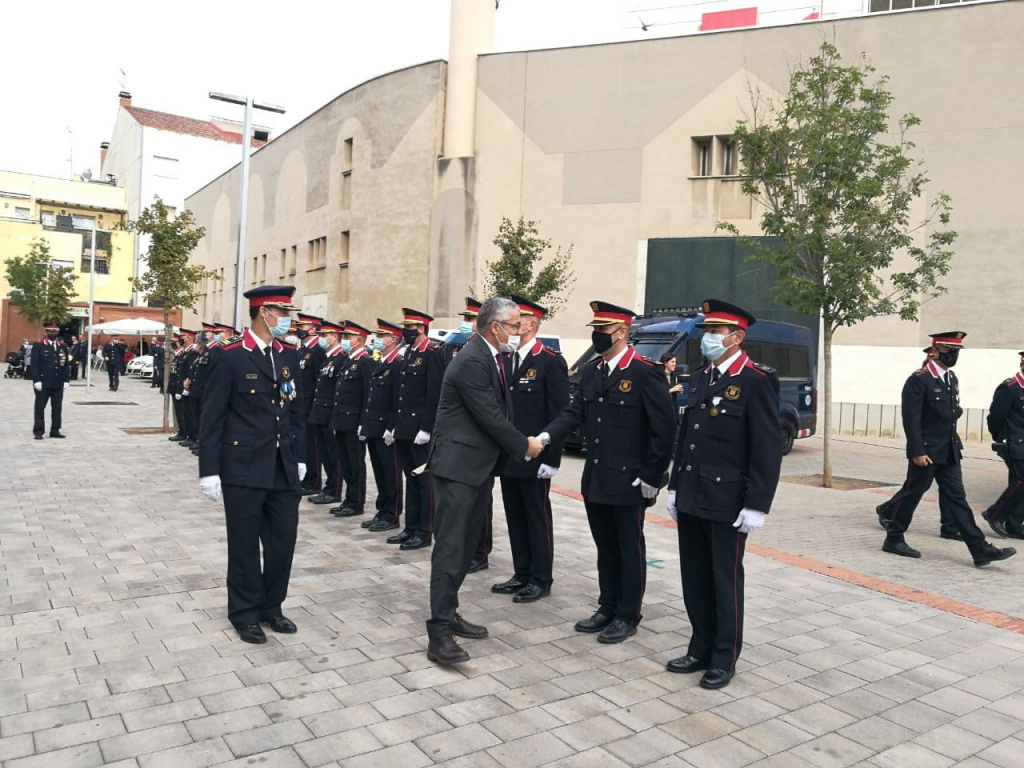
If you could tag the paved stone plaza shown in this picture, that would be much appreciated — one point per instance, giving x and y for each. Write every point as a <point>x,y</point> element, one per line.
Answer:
<point>115,649</point>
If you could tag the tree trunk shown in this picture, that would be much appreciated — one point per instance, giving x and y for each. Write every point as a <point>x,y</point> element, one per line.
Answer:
<point>168,333</point>
<point>826,469</point>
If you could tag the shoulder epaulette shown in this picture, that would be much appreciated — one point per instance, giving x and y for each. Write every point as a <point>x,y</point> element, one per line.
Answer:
<point>229,344</point>
<point>596,360</point>
<point>765,369</point>
<point>1009,381</point>
<point>645,361</point>
<point>918,372</point>
<point>548,350</point>
<point>230,340</point>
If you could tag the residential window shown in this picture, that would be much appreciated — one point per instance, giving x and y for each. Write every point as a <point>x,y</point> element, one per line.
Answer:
<point>25,214</point>
<point>165,167</point>
<point>294,258</point>
<point>346,190</point>
<point>316,254</point>
<point>83,222</point>
<point>263,268</point>
<point>254,275</point>
<point>730,156</point>
<point>46,218</point>
<point>702,156</point>
<point>343,249</point>
<point>346,156</point>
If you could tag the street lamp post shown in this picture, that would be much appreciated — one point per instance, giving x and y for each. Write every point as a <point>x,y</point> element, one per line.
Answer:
<point>243,196</point>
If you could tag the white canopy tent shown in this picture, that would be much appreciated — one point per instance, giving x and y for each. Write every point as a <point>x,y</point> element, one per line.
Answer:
<point>132,326</point>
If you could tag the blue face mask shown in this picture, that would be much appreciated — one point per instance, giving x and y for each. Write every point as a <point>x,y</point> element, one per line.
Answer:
<point>280,329</point>
<point>322,342</point>
<point>465,328</point>
<point>346,346</point>
<point>378,345</point>
<point>711,346</point>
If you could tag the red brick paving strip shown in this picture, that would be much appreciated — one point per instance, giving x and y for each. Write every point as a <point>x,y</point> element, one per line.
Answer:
<point>939,603</point>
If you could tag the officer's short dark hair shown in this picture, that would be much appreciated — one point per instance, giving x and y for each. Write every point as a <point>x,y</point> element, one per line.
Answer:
<point>253,312</point>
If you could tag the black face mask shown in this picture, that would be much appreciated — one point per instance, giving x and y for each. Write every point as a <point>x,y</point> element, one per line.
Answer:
<point>949,358</point>
<point>409,336</point>
<point>602,341</point>
<point>51,336</point>
<point>302,334</point>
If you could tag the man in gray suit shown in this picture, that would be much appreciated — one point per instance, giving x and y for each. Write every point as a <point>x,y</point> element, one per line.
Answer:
<point>473,435</point>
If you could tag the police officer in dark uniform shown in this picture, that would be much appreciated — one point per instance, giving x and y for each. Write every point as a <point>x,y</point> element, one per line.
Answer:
<point>538,381</point>
<point>205,340</point>
<point>376,427</point>
<point>251,451</point>
<point>174,380</point>
<point>159,355</point>
<point>727,465</point>
<point>320,414</point>
<point>50,377</point>
<point>418,391</point>
<point>113,356</point>
<point>1006,424</point>
<point>931,407</point>
<point>453,342</point>
<point>352,388</point>
<point>188,359</point>
<point>626,414</point>
<point>311,360</point>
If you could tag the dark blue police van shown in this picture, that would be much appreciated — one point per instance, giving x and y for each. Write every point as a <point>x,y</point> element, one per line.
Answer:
<point>787,348</point>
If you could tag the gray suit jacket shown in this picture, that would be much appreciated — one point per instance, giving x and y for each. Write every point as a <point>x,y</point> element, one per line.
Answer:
<point>473,429</point>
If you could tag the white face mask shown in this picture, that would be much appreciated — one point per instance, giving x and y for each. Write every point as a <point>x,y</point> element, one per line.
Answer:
<point>293,340</point>
<point>511,344</point>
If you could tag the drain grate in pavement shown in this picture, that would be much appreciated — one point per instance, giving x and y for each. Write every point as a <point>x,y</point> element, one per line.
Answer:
<point>104,402</point>
<point>838,483</point>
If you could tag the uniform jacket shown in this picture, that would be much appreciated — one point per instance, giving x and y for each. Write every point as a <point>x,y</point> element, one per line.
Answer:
<point>250,413</point>
<point>326,383</point>
<point>176,377</point>
<point>114,352</point>
<point>539,389</point>
<point>200,370</point>
<point>311,360</point>
<point>930,412</point>
<point>729,453</point>
<point>351,390</point>
<point>419,390</point>
<point>50,364</point>
<point>628,425</point>
<point>188,358</point>
<point>473,433</point>
<point>1006,416</point>
<point>382,399</point>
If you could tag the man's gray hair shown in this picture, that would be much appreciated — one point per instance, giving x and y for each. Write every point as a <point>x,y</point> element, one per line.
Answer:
<point>494,308</point>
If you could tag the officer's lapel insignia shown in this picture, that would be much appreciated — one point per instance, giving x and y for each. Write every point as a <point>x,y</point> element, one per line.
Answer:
<point>732,392</point>
<point>417,361</point>
<point>386,371</point>
<point>625,385</point>
<point>285,371</point>
<point>354,366</point>
<point>252,376</point>
<point>532,374</point>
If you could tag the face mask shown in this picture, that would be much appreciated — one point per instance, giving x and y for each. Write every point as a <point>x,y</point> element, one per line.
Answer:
<point>280,328</point>
<point>301,334</point>
<point>409,336</point>
<point>949,358</point>
<point>602,341</point>
<point>346,346</point>
<point>465,328</point>
<point>511,343</point>
<point>51,336</point>
<point>291,339</point>
<point>711,346</point>
<point>378,345</point>
<point>322,342</point>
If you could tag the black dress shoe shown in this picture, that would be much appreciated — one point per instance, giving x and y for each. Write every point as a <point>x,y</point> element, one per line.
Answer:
<point>38,437</point>
<point>531,593</point>
<point>1014,533</point>
<point>595,623</point>
<point>368,522</point>
<point>307,490</point>
<point>999,526</point>
<point>686,664</point>
<point>477,565</point>
<point>399,538</point>
<point>444,650</point>
<point>281,624</point>
<point>616,632</point>
<point>176,438</point>
<point>57,435</point>
<point>717,678</point>
<point>463,628</point>
<point>324,498</point>
<point>990,553</point>
<point>883,521</point>
<point>414,542</point>
<point>899,548</point>
<point>187,443</point>
<point>509,587</point>
<point>379,526</point>
<point>350,512</point>
<point>340,508</point>
<point>951,535</point>
<point>251,633</point>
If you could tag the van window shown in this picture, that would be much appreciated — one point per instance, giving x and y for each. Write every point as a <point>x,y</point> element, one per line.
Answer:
<point>791,361</point>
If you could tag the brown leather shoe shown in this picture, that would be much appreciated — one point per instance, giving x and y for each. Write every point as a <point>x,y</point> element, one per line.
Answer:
<point>444,650</point>
<point>463,628</point>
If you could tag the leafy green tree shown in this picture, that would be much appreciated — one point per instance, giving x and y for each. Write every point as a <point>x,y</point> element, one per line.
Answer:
<point>522,250</point>
<point>837,182</point>
<point>42,291</point>
<point>170,280</point>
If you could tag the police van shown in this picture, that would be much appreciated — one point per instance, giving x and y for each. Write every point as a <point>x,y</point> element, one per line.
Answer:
<point>787,348</point>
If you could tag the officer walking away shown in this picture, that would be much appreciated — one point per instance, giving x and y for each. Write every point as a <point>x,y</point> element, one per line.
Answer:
<point>727,465</point>
<point>931,407</point>
<point>49,379</point>
<point>352,388</point>
<point>376,429</point>
<point>311,360</point>
<point>250,450</point>
<point>113,355</point>
<point>1006,424</point>
<point>628,424</point>
<point>320,414</point>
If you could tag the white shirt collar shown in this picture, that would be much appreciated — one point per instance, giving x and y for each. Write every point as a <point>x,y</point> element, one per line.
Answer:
<point>260,343</point>
<point>723,367</point>
<point>613,363</point>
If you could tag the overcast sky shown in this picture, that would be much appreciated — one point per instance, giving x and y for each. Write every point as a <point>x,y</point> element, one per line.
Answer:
<point>64,58</point>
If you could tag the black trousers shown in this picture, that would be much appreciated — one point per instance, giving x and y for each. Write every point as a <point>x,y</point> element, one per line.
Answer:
<point>196,403</point>
<point>352,464</point>
<point>618,532</point>
<point>114,374</point>
<point>530,531</point>
<point>460,518</point>
<point>314,473</point>
<point>711,558</point>
<point>179,416</point>
<point>388,477</point>
<point>419,502</point>
<point>327,453</point>
<point>486,543</point>
<point>188,418</point>
<point>267,517</point>
<point>1009,507</point>
<point>952,500</point>
<point>55,397</point>
<point>73,369</point>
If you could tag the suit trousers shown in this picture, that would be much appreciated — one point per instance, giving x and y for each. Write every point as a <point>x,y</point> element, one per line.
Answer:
<point>352,464</point>
<point>952,498</point>
<point>188,418</point>
<point>255,517</point>
<point>314,472</point>
<point>530,532</point>
<point>196,404</point>
<point>327,454</point>
<point>486,543</point>
<point>55,397</point>
<point>114,374</point>
<point>711,559</point>
<point>618,533</point>
<point>460,518</point>
<point>1009,507</point>
<point>388,478</point>
<point>419,502</point>
<point>179,417</point>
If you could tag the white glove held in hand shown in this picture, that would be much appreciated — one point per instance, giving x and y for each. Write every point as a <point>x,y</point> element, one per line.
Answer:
<point>38,386</point>
<point>359,434</point>
<point>647,491</point>
<point>302,471</point>
<point>749,520</point>
<point>671,506</point>
<point>184,393</point>
<point>177,397</point>
<point>210,486</point>
<point>67,384</point>
<point>545,472</point>
<point>422,438</point>
<point>389,437</point>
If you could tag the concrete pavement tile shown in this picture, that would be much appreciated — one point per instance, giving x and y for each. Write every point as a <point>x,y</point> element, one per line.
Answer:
<point>955,701</point>
<point>910,755</point>
<point>748,711</point>
<point>870,670</point>
<point>475,710</point>
<point>469,688</point>
<point>1006,753</point>
<point>877,733</point>
<point>861,703</point>
<point>239,698</point>
<point>592,758</point>
<point>81,756</point>
<point>792,696</point>
<point>952,741</point>
<point>722,752</point>
<point>1012,706</point>
<point>592,732</point>
<point>42,719</point>
<point>12,747</point>
<point>360,693</point>
<point>771,737</point>
<point>309,683</point>
<point>408,728</point>
<point>78,733</point>
<point>203,687</point>
<point>990,685</point>
<point>832,751</point>
<point>223,723</point>
<point>268,737</point>
<point>286,757</point>
<point>344,719</point>
<point>818,719</point>
<point>198,754</point>
<point>175,712</point>
<point>530,751</point>
<point>917,716</point>
<point>833,682</point>
<point>144,742</point>
<point>532,695</point>
<point>639,717</point>
<point>645,747</point>
<point>404,755</point>
<point>457,742</point>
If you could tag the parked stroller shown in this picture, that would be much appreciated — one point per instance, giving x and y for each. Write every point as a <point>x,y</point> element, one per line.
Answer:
<point>15,366</point>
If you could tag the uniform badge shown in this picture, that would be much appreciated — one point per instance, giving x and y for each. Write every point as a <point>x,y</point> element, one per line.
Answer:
<point>353,367</point>
<point>532,373</point>
<point>713,411</point>
<point>251,376</point>
<point>417,361</point>
<point>625,386</point>
<point>732,392</point>
<point>285,371</point>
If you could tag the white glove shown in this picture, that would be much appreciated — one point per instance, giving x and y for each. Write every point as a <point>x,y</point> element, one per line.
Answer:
<point>422,438</point>
<point>302,471</point>
<point>210,486</point>
<point>545,438</point>
<point>749,520</point>
<point>38,386</point>
<point>67,384</point>
<point>359,434</point>
<point>671,506</point>
<point>177,397</point>
<point>546,472</point>
<point>647,491</point>
<point>389,437</point>
<point>184,393</point>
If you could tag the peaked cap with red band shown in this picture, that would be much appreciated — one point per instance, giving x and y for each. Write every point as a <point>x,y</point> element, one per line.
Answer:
<point>303,318</point>
<point>949,338</point>
<point>717,312</point>
<point>472,307</point>
<point>384,328</point>
<point>529,308</point>
<point>415,317</point>
<point>277,296</point>
<point>51,327</point>
<point>354,329</point>
<point>610,314</point>
<point>226,329</point>
<point>328,327</point>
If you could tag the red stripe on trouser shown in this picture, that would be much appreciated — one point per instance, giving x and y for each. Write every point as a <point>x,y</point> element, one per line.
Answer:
<point>641,514</point>
<point>735,603</point>
<point>1008,493</point>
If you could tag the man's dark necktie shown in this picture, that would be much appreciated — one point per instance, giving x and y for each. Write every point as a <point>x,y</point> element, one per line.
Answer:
<point>270,360</point>
<point>503,379</point>
<point>714,375</point>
